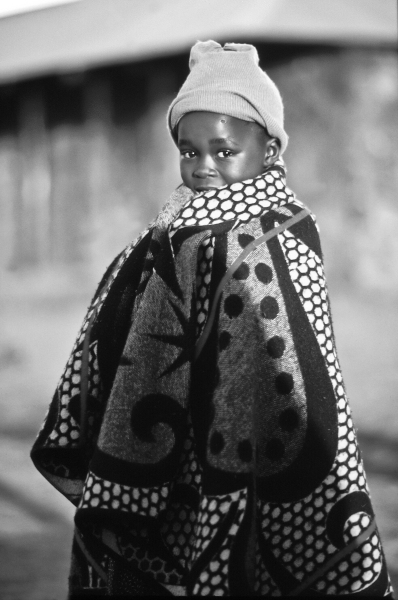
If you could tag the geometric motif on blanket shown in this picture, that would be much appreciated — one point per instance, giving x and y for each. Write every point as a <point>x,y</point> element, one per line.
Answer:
<point>297,531</point>
<point>178,530</point>
<point>203,280</point>
<point>307,536</point>
<point>213,578</point>
<point>132,546</point>
<point>67,430</point>
<point>241,201</point>
<point>179,520</point>
<point>102,494</point>
<point>99,300</point>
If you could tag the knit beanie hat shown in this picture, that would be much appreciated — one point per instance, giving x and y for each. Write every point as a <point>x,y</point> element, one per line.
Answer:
<point>229,81</point>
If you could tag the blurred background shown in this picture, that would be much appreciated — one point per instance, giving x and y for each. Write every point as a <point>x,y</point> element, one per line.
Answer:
<point>86,162</point>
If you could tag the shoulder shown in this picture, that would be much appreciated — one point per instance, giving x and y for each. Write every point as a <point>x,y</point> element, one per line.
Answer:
<point>292,220</point>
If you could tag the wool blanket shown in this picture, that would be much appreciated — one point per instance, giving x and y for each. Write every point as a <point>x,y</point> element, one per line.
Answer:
<point>201,426</point>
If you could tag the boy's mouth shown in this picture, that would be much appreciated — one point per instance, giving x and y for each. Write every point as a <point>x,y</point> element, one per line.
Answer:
<point>205,188</point>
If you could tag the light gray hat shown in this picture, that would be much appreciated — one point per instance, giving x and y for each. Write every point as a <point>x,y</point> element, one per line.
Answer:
<point>229,81</point>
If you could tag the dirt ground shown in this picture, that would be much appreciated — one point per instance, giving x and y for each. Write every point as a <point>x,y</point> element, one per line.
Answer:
<point>37,334</point>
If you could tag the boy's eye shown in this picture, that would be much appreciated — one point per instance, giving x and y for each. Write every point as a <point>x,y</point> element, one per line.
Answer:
<point>187,153</point>
<point>225,153</point>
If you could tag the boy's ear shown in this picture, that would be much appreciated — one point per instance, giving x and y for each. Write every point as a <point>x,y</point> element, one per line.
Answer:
<point>273,148</point>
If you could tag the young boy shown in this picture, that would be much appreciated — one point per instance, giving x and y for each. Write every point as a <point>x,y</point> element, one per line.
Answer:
<point>201,426</point>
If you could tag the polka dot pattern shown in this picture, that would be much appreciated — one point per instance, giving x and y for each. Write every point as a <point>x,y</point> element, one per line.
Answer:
<point>355,525</point>
<point>282,435</point>
<point>177,520</point>
<point>307,273</point>
<point>245,239</point>
<point>263,272</point>
<point>276,346</point>
<point>241,201</point>
<point>355,572</point>
<point>178,531</point>
<point>264,585</point>
<point>133,546</point>
<point>100,493</point>
<point>190,471</point>
<point>213,580</point>
<point>296,532</point>
<point>180,519</point>
<point>206,250</point>
<point>242,272</point>
<point>269,307</point>
<point>66,432</point>
<point>233,305</point>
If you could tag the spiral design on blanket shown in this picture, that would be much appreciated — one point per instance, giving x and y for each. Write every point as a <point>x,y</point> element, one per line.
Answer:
<point>154,409</point>
<point>346,507</point>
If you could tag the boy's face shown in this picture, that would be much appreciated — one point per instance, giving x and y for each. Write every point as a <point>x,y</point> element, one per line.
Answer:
<point>217,150</point>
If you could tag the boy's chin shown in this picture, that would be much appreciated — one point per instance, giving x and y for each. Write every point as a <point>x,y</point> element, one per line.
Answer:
<point>200,192</point>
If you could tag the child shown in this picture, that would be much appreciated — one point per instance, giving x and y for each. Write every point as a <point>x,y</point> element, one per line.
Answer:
<point>201,426</point>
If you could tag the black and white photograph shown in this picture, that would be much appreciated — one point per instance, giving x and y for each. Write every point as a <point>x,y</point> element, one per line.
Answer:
<point>198,298</point>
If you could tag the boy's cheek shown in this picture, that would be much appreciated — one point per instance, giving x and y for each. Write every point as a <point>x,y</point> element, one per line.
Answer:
<point>186,177</point>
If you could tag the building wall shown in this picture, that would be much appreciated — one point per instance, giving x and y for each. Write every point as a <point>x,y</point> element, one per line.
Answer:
<point>84,163</point>
<point>342,117</point>
<point>86,160</point>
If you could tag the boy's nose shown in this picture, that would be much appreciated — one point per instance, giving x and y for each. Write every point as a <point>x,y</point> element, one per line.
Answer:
<point>204,170</point>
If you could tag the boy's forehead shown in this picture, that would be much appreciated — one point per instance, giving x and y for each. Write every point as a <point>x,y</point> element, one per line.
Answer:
<point>203,123</point>
<point>204,119</point>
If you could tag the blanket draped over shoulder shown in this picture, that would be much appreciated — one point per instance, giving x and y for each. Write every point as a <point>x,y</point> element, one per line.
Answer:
<point>201,426</point>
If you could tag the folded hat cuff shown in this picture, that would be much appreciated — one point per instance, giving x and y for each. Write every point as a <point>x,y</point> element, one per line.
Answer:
<point>223,102</point>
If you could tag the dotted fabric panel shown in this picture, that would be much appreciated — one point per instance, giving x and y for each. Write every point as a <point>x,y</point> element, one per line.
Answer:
<point>190,471</point>
<point>100,493</point>
<point>132,548</point>
<point>264,584</point>
<point>241,201</point>
<point>66,432</point>
<point>177,520</point>
<point>213,579</point>
<point>297,531</point>
<point>67,429</point>
<point>252,305</point>
<point>307,273</point>
<point>355,573</point>
<point>298,536</point>
<point>178,529</point>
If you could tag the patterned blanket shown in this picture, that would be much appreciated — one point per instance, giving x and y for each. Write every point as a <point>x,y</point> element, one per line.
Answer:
<point>201,426</point>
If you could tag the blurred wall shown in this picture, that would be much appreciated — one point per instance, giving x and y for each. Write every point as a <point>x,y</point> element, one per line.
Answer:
<point>342,116</point>
<point>86,160</point>
<point>84,164</point>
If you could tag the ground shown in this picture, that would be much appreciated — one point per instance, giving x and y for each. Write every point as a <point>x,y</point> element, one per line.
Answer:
<point>37,332</point>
